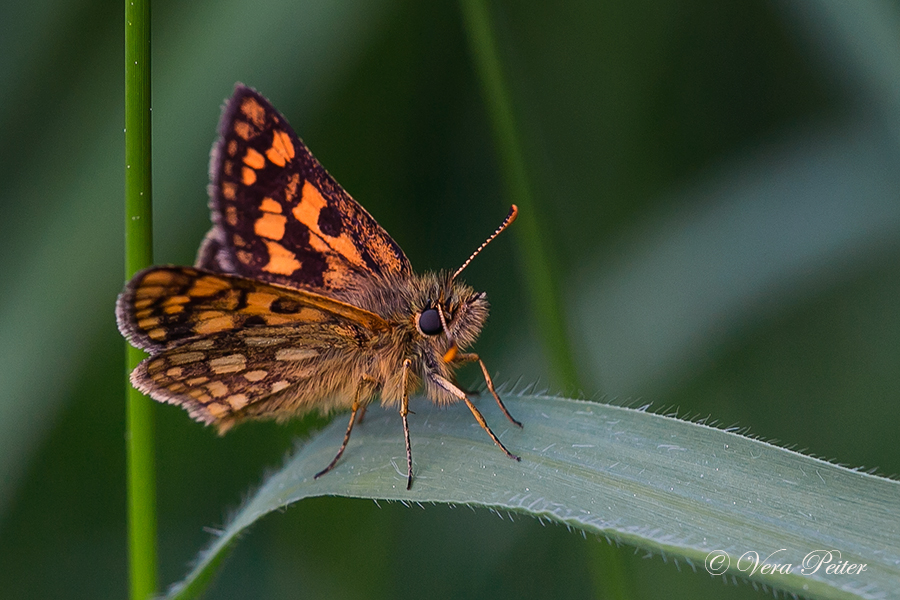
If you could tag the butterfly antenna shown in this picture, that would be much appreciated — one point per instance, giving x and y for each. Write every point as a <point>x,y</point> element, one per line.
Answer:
<point>513,213</point>
<point>444,321</point>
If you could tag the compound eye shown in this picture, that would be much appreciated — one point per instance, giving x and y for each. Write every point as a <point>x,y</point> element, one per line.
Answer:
<point>430,322</point>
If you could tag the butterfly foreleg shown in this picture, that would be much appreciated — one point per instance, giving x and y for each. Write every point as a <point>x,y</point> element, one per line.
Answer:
<point>472,357</point>
<point>449,387</point>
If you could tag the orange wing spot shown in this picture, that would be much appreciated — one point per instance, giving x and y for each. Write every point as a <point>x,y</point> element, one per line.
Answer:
<point>311,315</point>
<point>275,320</point>
<point>175,372</point>
<point>229,190</point>
<point>344,246</point>
<point>161,277</point>
<point>195,381</point>
<point>255,376</point>
<point>186,357</point>
<point>177,300</point>
<point>143,303</point>
<point>237,401</point>
<point>176,387</point>
<point>201,345</point>
<point>158,334</point>
<point>148,323</point>
<point>244,257</point>
<point>269,205</point>
<point>200,395</point>
<point>233,363</point>
<point>217,389</point>
<point>174,309</point>
<point>149,292</point>
<point>282,149</point>
<point>208,286</point>
<point>228,168</point>
<point>248,176</point>
<point>232,147</point>
<point>259,302</point>
<point>231,216</point>
<point>281,260</point>
<point>215,324</point>
<point>290,191</point>
<point>143,314</point>
<point>253,111</point>
<point>309,207</point>
<point>307,212</point>
<point>238,241</point>
<point>243,130</point>
<point>270,226</point>
<point>319,245</point>
<point>254,159</point>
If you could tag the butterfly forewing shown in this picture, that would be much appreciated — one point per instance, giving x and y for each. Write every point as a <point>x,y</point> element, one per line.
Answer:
<point>166,306</point>
<point>279,216</point>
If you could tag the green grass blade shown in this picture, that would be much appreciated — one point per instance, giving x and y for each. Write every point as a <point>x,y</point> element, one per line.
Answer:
<point>537,261</point>
<point>666,486</point>
<point>537,256</point>
<point>138,254</point>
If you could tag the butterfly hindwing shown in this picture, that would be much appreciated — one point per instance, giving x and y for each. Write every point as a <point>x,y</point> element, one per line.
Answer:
<point>272,372</point>
<point>279,216</point>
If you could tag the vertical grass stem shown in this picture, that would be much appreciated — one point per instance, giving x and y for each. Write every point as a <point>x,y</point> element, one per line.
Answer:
<point>138,254</point>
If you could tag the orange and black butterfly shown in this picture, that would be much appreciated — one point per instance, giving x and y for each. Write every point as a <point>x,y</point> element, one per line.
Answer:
<point>299,300</point>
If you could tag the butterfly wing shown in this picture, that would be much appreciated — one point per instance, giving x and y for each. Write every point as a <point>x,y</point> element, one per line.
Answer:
<point>232,376</point>
<point>227,348</point>
<point>163,307</point>
<point>278,216</point>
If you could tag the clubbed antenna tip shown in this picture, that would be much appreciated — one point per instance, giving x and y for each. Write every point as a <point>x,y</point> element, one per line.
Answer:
<point>513,213</point>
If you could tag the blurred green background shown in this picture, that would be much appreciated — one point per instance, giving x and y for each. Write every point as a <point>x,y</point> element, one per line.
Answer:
<point>718,182</point>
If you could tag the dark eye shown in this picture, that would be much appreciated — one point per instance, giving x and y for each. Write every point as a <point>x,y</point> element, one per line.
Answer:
<point>430,322</point>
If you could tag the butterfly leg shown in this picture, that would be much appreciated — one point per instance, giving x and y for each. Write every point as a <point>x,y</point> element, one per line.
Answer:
<point>354,408</point>
<point>404,410</point>
<point>475,412</point>
<point>362,413</point>
<point>472,357</point>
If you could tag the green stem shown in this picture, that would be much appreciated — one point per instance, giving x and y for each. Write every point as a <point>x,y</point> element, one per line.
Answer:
<point>538,265</point>
<point>610,575</point>
<point>138,254</point>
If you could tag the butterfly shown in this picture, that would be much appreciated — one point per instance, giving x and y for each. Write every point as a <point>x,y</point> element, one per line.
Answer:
<point>298,300</point>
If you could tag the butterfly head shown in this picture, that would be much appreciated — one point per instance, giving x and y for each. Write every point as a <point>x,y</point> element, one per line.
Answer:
<point>450,311</point>
<point>455,310</point>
